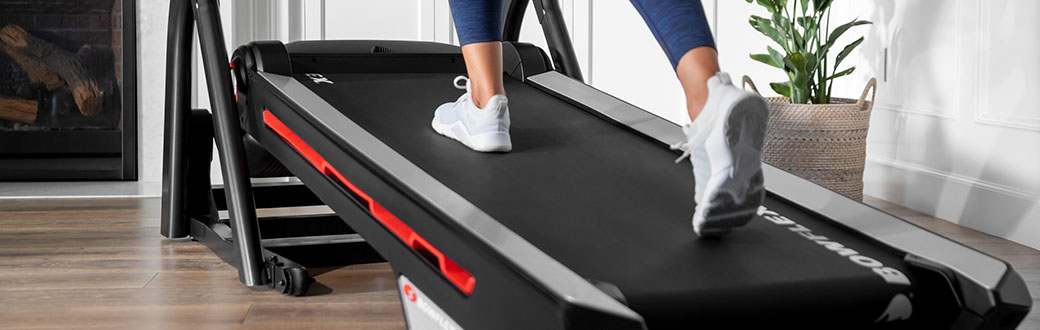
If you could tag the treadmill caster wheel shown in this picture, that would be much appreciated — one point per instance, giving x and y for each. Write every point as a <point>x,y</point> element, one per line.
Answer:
<point>289,280</point>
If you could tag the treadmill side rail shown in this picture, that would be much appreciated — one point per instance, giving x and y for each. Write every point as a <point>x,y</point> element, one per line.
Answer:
<point>982,277</point>
<point>462,279</point>
<point>608,107</point>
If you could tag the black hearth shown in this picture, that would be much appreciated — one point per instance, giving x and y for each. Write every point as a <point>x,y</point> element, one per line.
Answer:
<point>68,90</point>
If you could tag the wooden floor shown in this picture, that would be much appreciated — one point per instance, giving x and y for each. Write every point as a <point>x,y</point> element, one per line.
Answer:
<point>102,264</point>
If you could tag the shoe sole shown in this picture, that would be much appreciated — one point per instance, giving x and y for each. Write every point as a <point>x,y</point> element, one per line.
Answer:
<point>737,199</point>
<point>483,142</point>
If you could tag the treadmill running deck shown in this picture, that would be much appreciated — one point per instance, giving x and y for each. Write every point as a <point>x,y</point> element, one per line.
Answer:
<point>613,206</point>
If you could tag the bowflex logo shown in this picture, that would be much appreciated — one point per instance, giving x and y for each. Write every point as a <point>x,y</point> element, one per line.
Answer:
<point>898,309</point>
<point>409,293</point>
<point>319,79</point>
<point>421,312</point>
<point>889,274</point>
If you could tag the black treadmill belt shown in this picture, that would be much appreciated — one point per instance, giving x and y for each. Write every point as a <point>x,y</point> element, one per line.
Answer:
<point>613,206</point>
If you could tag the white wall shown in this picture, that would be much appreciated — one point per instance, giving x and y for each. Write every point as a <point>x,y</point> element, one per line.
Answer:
<point>152,25</point>
<point>953,134</point>
<point>152,21</point>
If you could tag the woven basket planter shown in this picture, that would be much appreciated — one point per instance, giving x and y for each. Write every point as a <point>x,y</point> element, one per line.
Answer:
<point>824,143</point>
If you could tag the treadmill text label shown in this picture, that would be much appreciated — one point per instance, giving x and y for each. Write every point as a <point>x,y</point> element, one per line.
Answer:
<point>319,79</point>
<point>890,275</point>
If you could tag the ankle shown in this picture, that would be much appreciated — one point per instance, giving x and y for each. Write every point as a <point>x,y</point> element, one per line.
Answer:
<point>694,107</point>
<point>480,97</point>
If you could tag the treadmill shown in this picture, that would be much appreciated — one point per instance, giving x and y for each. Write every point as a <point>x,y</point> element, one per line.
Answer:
<point>584,225</point>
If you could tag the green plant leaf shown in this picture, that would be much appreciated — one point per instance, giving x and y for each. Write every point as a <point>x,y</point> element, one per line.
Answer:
<point>800,91</point>
<point>842,73</point>
<point>811,63</point>
<point>838,32</point>
<point>769,4</point>
<point>764,58</point>
<point>781,88</point>
<point>845,52</point>
<point>805,5</point>
<point>783,25</point>
<point>822,5</point>
<point>807,22</point>
<point>777,57</point>
<point>799,79</point>
<point>765,27</point>
<point>798,61</point>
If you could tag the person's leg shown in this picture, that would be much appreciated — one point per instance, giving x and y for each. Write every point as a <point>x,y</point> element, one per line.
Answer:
<point>694,70</point>
<point>681,28</point>
<point>484,66</point>
<point>724,141</point>
<point>478,24</point>
<point>479,119</point>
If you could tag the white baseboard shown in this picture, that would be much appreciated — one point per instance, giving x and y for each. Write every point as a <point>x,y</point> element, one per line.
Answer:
<point>84,189</point>
<point>985,206</point>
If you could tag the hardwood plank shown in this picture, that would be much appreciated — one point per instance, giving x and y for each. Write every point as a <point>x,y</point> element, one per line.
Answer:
<point>1003,248</point>
<point>219,293</point>
<point>80,204</point>
<point>148,316</point>
<point>178,251</point>
<point>362,315</point>
<point>346,280</point>
<point>1029,274</point>
<point>32,279</point>
<point>1032,320</point>
<point>144,264</point>
<point>889,207</point>
<point>1020,261</point>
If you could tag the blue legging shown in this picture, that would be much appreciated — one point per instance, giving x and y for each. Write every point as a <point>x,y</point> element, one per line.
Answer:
<point>678,25</point>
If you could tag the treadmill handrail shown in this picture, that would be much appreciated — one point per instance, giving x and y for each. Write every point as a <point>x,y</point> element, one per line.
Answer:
<point>556,278</point>
<point>554,28</point>
<point>976,266</point>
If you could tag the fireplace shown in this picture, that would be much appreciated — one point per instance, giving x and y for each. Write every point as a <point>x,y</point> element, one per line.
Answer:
<point>68,90</point>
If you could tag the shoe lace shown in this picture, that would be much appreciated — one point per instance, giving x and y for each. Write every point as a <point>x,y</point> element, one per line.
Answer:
<point>463,86</point>
<point>464,80</point>
<point>685,147</point>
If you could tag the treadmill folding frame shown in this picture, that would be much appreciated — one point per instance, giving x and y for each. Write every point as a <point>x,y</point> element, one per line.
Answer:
<point>354,170</point>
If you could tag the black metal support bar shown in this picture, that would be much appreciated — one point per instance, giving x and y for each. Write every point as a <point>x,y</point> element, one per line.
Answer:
<point>129,125</point>
<point>228,134</point>
<point>175,223</point>
<point>560,47</point>
<point>550,16</point>
<point>513,18</point>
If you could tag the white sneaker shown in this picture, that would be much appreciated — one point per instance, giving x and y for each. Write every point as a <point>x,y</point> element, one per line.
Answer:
<point>724,145</point>
<point>484,130</point>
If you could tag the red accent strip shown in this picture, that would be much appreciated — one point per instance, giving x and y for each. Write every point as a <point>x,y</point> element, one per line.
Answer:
<point>231,66</point>
<point>455,273</point>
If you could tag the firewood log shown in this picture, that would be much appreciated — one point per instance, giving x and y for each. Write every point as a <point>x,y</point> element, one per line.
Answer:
<point>19,110</point>
<point>38,56</point>
<point>35,70</point>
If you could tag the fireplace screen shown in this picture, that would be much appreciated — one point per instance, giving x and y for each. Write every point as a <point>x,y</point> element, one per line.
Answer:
<point>66,89</point>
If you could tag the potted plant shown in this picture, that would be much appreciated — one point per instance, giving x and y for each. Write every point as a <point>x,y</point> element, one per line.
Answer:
<point>811,134</point>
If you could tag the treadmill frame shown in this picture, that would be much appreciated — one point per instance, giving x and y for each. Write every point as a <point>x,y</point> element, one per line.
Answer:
<point>989,295</point>
<point>989,291</point>
<point>190,204</point>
